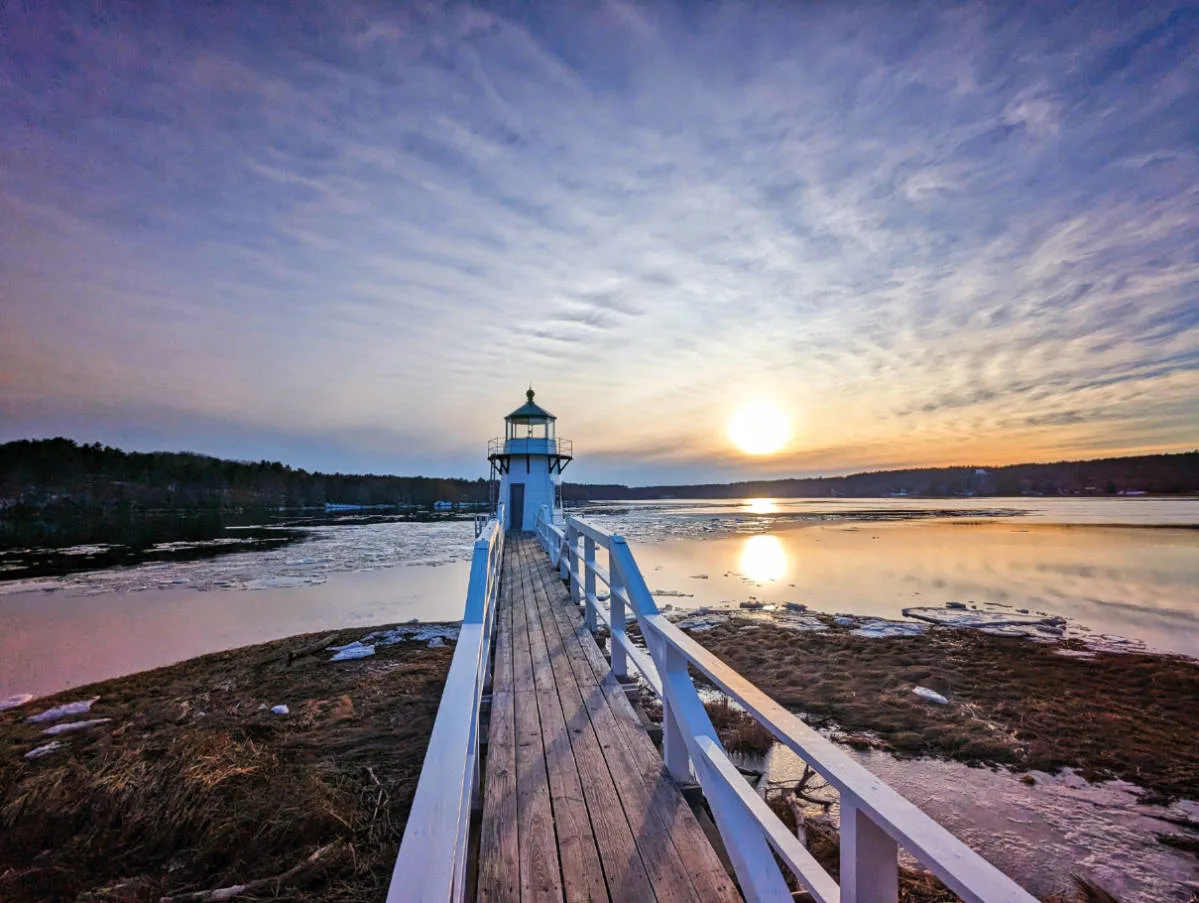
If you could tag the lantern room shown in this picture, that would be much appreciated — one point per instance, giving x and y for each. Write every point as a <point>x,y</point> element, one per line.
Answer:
<point>528,463</point>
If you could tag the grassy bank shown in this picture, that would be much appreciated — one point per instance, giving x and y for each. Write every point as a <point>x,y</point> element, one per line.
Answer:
<point>1010,701</point>
<point>195,784</point>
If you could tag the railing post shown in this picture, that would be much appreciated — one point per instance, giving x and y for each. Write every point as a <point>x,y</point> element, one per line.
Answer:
<point>674,744</point>
<point>563,556</point>
<point>869,858</point>
<point>572,560</point>
<point>616,626</point>
<point>589,582</point>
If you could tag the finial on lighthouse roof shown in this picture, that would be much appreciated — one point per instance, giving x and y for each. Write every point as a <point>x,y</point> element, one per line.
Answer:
<point>530,411</point>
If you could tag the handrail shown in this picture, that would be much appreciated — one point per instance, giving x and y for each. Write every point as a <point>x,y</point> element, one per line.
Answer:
<point>875,819</point>
<point>431,864</point>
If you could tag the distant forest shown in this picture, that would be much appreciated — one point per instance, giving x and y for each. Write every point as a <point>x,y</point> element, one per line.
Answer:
<point>1166,474</point>
<point>45,473</point>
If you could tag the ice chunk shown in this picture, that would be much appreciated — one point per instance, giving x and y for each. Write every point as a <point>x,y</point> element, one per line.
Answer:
<point>351,651</point>
<point>40,751</point>
<point>699,622</point>
<point>280,710</point>
<point>930,695</point>
<point>13,701</point>
<point>883,629</point>
<point>843,621</point>
<point>70,726</point>
<point>990,619</point>
<point>81,707</point>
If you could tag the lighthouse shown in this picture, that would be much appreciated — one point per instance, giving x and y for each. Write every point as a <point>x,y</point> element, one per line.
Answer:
<point>528,461</point>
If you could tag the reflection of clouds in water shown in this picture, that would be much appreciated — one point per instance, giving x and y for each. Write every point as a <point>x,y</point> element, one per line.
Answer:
<point>763,558</point>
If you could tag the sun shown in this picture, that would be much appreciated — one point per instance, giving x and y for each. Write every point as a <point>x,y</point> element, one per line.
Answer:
<point>759,428</point>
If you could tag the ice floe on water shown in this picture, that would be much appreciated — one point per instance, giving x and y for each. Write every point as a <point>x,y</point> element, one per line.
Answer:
<point>82,707</point>
<point>329,549</point>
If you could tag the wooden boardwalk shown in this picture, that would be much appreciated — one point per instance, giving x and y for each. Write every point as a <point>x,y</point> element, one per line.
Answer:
<point>577,804</point>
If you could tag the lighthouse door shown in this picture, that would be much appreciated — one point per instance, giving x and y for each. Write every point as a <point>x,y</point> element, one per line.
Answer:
<point>516,506</point>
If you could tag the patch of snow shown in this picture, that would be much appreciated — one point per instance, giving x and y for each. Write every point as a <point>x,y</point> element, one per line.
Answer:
<point>280,710</point>
<point>81,707</point>
<point>702,621</point>
<point>844,621</point>
<point>1075,653</point>
<point>413,633</point>
<point>882,629</point>
<point>930,695</point>
<point>70,726</point>
<point>790,621</point>
<point>435,643</point>
<point>351,651</point>
<point>45,750</point>
<point>13,701</point>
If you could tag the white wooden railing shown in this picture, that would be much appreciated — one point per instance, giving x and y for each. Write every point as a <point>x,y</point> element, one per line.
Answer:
<point>875,820</point>
<point>431,865</point>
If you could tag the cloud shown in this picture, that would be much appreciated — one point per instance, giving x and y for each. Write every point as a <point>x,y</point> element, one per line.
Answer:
<point>945,234</point>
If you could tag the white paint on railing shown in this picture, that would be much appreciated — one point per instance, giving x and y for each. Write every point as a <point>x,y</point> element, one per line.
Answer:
<point>875,820</point>
<point>431,864</point>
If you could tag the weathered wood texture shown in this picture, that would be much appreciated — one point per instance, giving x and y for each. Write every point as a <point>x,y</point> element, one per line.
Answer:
<point>577,805</point>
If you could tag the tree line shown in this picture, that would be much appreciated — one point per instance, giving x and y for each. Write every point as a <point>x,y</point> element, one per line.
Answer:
<point>44,472</point>
<point>1164,474</point>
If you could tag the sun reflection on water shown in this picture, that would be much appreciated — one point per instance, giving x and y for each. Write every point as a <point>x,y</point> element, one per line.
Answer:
<point>763,558</point>
<point>762,506</point>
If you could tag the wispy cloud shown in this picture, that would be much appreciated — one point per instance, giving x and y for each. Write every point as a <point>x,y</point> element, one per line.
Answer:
<point>358,231</point>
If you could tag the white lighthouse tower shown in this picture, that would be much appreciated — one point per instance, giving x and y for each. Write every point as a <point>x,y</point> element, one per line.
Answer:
<point>529,461</point>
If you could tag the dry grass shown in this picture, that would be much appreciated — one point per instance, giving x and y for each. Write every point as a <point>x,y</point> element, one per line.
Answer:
<point>739,731</point>
<point>1012,701</point>
<point>192,786</point>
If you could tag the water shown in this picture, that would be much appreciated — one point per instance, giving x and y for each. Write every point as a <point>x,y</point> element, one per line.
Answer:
<point>1041,833</point>
<point>1122,567</point>
<point>62,632</point>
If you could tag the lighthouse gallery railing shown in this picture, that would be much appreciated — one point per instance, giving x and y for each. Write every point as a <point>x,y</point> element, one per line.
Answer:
<point>875,820</point>
<point>431,865</point>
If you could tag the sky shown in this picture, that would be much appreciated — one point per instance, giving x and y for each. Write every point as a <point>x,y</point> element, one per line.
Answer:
<point>349,235</point>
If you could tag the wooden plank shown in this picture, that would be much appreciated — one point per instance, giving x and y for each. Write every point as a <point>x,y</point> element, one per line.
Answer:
<point>540,870</point>
<point>582,873</point>
<point>499,871</point>
<point>654,806</point>
<point>624,871</point>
